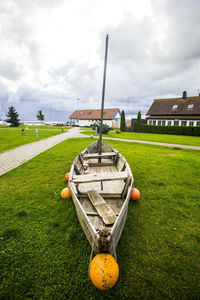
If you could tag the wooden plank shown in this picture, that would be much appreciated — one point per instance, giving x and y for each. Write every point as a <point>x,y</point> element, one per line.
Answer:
<point>104,195</point>
<point>99,177</point>
<point>127,183</point>
<point>96,155</point>
<point>76,170</point>
<point>103,209</point>
<point>81,158</point>
<point>93,164</point>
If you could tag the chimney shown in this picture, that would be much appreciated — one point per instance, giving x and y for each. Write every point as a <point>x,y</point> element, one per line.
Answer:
<point>184,95</point>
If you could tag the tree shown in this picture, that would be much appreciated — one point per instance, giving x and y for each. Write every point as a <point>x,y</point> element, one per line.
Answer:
<point>139,118</point>
<point>138,122</point>
<point>122,122</point>
<point>13,117</point>
<point>40,115</point>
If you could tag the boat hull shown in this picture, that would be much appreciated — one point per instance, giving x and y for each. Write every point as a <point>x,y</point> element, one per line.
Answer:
<point>114,191</point>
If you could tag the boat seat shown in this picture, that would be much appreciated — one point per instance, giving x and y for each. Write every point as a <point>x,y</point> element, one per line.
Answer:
<point>100,177</point>
<point>103,209</point>
<point>102,155</point>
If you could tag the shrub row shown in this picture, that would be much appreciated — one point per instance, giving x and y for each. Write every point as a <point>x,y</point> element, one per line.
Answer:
<point>178,130</point>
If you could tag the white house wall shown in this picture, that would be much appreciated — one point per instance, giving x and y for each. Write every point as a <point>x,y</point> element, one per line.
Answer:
<point>188,122</point>
<point>83,123</point>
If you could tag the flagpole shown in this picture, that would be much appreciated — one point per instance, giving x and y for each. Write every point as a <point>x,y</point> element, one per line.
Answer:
<point>103,96</point>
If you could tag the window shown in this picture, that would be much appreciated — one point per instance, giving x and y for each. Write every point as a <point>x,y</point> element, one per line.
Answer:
<point>159,122</point>
<point>191,123</point>
<point>163,123</point>
<point>150,122</point>
<point>169,123</point>
<point>174,106</point>
<point>183,123</point>
<point>176,123</point>
<point>154,122</point>
<point>198,123</point>
<point>190,106</point>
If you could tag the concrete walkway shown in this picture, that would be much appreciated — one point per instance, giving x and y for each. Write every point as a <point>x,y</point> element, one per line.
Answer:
<point>15,157</point>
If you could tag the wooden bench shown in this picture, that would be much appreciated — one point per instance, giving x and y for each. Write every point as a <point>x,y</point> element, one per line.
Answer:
<point>100,177</point>
<point>103,209</point>
<point>102,155</point>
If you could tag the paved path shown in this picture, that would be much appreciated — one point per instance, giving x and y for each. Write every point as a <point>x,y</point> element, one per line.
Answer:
<point>15,157</point>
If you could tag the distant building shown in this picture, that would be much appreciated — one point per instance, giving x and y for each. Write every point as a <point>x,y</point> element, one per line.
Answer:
<point>183,111</point>
<point>41,123</point>
<point>111,117</point>
<point>4,123</point>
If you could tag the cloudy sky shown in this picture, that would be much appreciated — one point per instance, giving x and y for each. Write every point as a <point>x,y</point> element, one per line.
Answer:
<point>52,53</point>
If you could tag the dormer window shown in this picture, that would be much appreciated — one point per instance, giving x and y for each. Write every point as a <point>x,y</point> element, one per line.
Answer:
<point>174,106</point>
<point>190,106</point>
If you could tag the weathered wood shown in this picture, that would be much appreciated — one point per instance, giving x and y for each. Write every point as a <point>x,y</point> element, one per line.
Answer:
<point>99,177</point>
<point>123,167</point>
<point>77,170</point>
<point>127,183</point>
<point>103,209</point>
<point>104,195</point>
<point>74,188</point>
<point>81,158</point>
<point>90,220</point>
<point>92,213</point>
<point>96,155</point>
<point>93,164</point>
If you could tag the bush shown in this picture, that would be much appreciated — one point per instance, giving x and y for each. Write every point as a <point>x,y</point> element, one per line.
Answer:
<point>105,128</point>
<point>178,130</point>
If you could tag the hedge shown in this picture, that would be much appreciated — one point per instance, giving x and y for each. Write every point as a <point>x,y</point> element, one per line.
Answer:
<point>178,130</point>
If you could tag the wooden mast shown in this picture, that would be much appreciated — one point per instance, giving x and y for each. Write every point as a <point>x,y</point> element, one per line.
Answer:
<point>103,95</point>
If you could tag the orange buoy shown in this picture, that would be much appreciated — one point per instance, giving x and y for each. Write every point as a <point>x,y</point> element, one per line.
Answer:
<point>135,194</point>
<point>104,271</point>
<point>66,193</point>
<point>67,176</point>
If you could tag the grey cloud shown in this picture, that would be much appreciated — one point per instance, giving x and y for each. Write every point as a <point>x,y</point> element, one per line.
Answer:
<point>154,57</point>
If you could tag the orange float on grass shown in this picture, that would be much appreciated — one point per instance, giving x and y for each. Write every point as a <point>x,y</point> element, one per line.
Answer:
<point>67,177</point>
<point>104,271</point>
<point>135,194</point>
<point>66,193</point>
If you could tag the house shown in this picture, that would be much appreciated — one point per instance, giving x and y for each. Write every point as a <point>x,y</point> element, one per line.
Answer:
<point>183,111</point>
<point>111,117</point>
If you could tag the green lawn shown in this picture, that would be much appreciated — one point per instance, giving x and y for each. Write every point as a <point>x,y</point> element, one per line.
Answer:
<point>45,255</point>
<point>151,137</point>
<point>13,137</point>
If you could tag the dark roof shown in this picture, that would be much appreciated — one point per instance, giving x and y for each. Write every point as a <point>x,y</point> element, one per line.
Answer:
<point>168,106</point>
<point>90,114</point>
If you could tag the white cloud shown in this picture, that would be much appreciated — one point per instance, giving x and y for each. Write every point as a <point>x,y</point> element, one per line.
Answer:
<point>52,52</point>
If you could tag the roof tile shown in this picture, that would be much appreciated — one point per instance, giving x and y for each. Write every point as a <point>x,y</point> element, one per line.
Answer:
<point>165,106</point>
<point>93,114</point>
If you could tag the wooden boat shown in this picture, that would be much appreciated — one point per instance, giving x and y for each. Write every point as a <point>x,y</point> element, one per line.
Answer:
<point>101,193</point>
<point>100,181</point>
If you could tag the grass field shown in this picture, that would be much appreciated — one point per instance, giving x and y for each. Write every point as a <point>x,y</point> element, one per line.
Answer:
<point>45,255</point>
<point>13,137</point>
<point>151,137</point>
